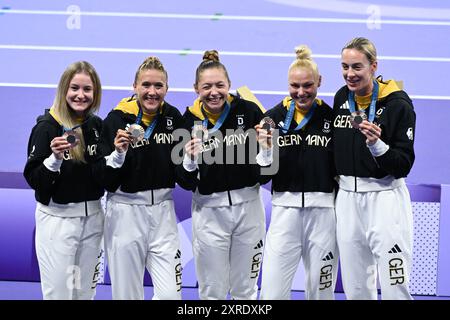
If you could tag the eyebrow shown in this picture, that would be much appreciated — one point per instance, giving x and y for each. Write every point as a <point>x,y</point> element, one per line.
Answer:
<point>154,83</point>
<point>79,85</point>
<point>211,83</point>
<point>306,83</point>
<point>353,64</point>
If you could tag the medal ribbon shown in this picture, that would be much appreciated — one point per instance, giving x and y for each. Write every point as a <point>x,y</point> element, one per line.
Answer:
<point>65,129</point>
<point>219,122</point>
<point>152,125</point>
<point>290,115</point>
<point>373,102</point>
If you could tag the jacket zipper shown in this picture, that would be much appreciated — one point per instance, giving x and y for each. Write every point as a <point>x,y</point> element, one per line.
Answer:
<point>354,160</point>
<point>226,175</point>
<point>303,176</point>
<point>229,198</point>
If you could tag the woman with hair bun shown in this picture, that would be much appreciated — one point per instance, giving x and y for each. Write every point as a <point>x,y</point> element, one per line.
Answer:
<point>228,219</point>
<point>303,222</point>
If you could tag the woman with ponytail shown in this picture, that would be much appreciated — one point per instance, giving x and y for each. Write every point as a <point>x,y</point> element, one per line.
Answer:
<point>374,152</point>
<point>61,156</point>
<point>303,222</point>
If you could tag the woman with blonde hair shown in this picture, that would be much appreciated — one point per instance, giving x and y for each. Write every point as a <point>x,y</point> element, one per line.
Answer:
<point>69,218</point>
<point>374,152</point>
<point>303,222</point>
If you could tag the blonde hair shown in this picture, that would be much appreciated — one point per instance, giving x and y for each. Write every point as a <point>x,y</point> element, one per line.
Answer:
<point>151,63</point>
<point>210,60</point>
<point>304,60</point>
<point>363,45</point>
<point>67,115</point>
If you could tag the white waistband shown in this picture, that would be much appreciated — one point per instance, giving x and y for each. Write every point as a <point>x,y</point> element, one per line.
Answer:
<point>347,183</point>
<point>311,199</point>
<point>74,209</point>
<point>222,199</point>
<point>148,197</point>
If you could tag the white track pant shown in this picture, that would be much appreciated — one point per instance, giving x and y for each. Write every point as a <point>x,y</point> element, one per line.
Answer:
<point>374,232</point>
<point>140,236</point>
<point>294,234</point>
<point>68,251</point>
<point>227,245</point>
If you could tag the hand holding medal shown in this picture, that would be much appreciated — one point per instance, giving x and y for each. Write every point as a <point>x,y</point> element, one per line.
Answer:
<point>59,145</point>
<point>69,139</point>
<point>122,140</point>
<point>267,124</point>
<point>199,132</point>
<point>194,146</point>
<point>359,118</point>
<point>371,131</point>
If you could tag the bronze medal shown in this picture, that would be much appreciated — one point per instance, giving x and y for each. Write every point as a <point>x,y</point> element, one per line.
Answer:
<point>268,124</point>
<point>72,137</point>
<point>357,117</point>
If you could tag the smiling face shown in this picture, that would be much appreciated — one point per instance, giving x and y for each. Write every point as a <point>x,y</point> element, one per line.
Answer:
<point>80,93</point>
<point>357,71</point>
<point>213,89</point>
<point>303,85</point>
<point>151,88</point>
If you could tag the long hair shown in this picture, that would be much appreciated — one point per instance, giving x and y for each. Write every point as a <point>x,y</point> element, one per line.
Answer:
<point>66,115</point>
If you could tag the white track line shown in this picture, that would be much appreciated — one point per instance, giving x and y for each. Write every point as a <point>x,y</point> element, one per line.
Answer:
<point>262,92</point>
<point>200,52</point>
<point>221,17</point>
<point>371,8</point>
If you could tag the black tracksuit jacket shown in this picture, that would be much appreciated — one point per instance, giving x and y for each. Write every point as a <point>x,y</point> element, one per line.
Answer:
<point>148,164</point>
<point>75,181</point>
<point>396,117</point>
<point>306,161</point>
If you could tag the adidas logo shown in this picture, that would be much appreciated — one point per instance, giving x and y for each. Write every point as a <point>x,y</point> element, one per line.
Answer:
<point>395,249</point>
<point>328,257</point>
<point>101,253</point>
<point>259,245</point>
<point>178,255</point>
<point>345,106</point>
